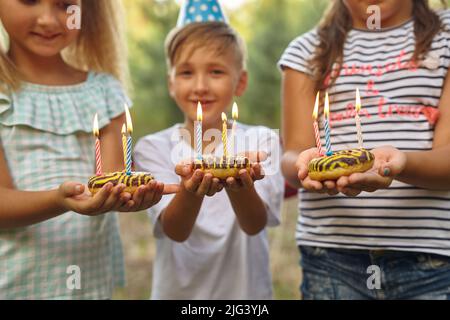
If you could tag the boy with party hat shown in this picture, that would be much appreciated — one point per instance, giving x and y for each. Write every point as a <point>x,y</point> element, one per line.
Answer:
<point>211,243</point>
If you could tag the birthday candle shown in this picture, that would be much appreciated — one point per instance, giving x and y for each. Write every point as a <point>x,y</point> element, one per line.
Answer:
<point>224,135</point>
<point>124,145</point>
<point>235,114</point>
<point>199,133</point>
<point>129,141</point>
<point>327,125</point>
<point>316,126</point>
<point>358,119</point>
<point>98,156</point>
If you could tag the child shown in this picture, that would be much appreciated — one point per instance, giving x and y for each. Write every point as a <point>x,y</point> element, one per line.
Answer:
<point>47,251</point>
<point>394,242</point>
<point>210,244</point>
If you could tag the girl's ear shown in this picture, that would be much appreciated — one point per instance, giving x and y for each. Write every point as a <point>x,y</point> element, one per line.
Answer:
<point>242,84</point>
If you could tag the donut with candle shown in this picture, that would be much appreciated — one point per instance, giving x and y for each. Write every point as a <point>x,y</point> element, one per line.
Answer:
<point>132,182</point>
<point>341,163</point>
<point>223,167</point>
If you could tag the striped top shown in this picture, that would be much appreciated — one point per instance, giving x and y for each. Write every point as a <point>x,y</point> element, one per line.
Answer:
<point>400,107</point>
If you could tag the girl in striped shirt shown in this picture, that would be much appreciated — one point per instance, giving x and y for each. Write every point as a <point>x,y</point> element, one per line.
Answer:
<point>384,233</point>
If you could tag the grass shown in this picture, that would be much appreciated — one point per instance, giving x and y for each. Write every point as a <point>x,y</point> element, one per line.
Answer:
<point>139,250</point>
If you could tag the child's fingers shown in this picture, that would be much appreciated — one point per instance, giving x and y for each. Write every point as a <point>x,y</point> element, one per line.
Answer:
<point>114,198</point>
<point>183,170</point>
<point>170,189</point>
<point>312,185</point>
<point>194,182</point>
<point>215,187</point>
<point>205,185</point>
<point>246,180</point>
<point>97,202</point>
<point>257,172</point>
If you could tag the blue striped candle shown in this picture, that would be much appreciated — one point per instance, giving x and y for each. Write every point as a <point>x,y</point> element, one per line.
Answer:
<point>327,125</point>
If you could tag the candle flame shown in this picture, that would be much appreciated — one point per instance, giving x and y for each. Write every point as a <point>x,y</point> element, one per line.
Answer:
<point>327,106</point>
<point>316,107</point>
<point>129,122</point>
<point>358,101</point>
<point>199,112</point>
<point>224,117</point>
<point>235,111</point>
<point>95,126</point>
<point>124,129</point>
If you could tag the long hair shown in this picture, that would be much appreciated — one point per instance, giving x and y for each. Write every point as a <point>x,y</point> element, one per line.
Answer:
<point>337,22</point>
<point>100,46</point>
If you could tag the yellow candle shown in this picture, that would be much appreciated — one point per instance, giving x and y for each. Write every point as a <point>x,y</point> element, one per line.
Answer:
<point>224,135</point>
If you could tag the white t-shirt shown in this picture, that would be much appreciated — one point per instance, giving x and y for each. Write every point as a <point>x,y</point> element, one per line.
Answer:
<point>218,260</point>
<point>400,105</point>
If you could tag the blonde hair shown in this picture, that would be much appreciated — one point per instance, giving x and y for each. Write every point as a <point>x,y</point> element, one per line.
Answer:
<point>218,35</point>
<point>100,46</point>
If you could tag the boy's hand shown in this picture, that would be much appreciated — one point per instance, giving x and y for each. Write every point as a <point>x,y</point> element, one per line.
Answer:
<point>147,196</point>
<point>389,162</point>
<point>246,179</point>
<point>196,182</point>
<point>328,186</point>
<point>76,197</point>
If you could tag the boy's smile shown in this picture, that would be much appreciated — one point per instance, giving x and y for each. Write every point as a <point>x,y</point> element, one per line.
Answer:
<point>209,77</point>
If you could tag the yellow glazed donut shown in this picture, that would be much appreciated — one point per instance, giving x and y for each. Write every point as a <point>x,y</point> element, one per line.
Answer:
<point>222,168</point>
<point>132,182</point>
<point>341,163</point>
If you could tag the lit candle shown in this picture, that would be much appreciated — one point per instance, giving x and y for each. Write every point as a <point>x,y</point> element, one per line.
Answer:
<point>235,114</point>
<point>327,125</point>
<point>129,142</point>
<point>98,156</point>
<point>358,119</point>
<point>316,126</point>
<point>199,133</point>
<point>124,145</point>
<point>224,135</point>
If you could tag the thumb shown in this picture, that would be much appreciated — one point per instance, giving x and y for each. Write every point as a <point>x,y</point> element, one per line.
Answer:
<point>70,189</point>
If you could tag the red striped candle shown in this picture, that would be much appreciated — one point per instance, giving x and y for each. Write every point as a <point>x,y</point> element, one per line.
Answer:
<point>98,155</point>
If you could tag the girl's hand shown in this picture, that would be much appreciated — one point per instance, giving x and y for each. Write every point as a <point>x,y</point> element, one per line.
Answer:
<point>389,162</point>
<point>197,182</point>
<point>76,197</point>
<point>303,160</point>
<point>147,196</point>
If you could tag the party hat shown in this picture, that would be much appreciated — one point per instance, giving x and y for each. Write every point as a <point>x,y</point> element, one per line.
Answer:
<point>200,11</point>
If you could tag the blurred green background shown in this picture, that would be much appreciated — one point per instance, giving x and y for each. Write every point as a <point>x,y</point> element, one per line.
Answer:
<point>267,26</point>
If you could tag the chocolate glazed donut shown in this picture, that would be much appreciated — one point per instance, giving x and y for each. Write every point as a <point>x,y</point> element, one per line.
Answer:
<point>131,182</point>
<point>221,167</point>
<point>341,163</point>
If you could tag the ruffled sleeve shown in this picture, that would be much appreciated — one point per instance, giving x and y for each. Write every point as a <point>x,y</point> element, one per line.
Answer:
<point>65,110</point>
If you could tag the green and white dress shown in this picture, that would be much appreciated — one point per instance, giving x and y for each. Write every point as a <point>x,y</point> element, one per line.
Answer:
<point>46,135</point>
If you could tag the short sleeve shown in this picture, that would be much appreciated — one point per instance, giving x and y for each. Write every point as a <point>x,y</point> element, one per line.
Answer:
<point>271,188</point>
<point>298,54</point>
<point>152,154</point>
<point>114,95</point>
